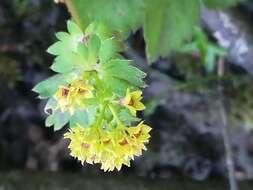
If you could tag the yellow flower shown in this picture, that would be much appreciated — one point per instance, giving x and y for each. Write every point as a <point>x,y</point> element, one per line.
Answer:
<point>132,101</point>
<point>111,148</point>
<point>79,90</point>
<point>140,132</point>
<point>70,97</point>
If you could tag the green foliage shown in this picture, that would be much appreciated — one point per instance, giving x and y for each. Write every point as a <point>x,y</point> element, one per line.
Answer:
<point>92,79</point>
<point>122,75</point>
<point>93,53</point>
<point>220,4</point>
<point>124,16</point>
<point>58,120</point>
<point>166,23</point>
<point>207,50</point>
<point>83,117</point>
<point>48,87</point>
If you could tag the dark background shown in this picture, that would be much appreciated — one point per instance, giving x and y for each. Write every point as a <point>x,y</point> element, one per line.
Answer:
<point>182,100</point>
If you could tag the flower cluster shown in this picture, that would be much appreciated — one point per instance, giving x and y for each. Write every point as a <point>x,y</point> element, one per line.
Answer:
<point>112,148</point>
<point>98,93</point>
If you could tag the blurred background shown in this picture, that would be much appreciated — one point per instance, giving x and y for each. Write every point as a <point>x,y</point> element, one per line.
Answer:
<point>184,106</point>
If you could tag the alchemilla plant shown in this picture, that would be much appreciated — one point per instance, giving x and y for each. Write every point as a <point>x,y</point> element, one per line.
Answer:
<point>96,90</point>
<point>98,93</point>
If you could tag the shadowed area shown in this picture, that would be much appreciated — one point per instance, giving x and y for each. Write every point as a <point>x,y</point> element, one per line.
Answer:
<point>64,181</point>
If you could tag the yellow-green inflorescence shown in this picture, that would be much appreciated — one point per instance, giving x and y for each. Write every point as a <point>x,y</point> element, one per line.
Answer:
<point>110,147</point>
<point>98,92</point>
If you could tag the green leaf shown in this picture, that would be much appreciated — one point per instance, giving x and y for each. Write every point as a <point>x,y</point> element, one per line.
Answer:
<point>51,106</point>
<point>121,15</point>
<point>207,50</point>
<point>58,120</point>
<point>68,41</point>
<point>119,73</point>
<point>83,117</point>
<point>118,86</point>
<point>93,48</point>
<point>80,60</point>
<point>48,87</point>
<point>109,49</point>
<point>56,49</point>
<point>63,64</point>
<point>221,3</point>
<point>62,36</point>
<point>73,28</point>
<point>82,50</point>
<point>167,24</point>
<point>102,30</point>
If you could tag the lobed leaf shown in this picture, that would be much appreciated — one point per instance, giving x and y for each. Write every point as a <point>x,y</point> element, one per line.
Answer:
<point>58,120</point>
<point>167,24</point>
<point>83,117</point>
<point>124,16</point>
<point>48,87</point>
<point>119,73</point>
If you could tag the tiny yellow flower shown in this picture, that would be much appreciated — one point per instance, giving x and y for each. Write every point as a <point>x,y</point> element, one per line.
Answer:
<point>132,101</point>
<point>140,132</point>
<point>70,97</point>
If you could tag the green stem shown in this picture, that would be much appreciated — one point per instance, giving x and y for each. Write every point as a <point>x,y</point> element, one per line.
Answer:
<point>98,81</point>
<point>72,10</point>
<point>115,115</point>
<point>101,116</point>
